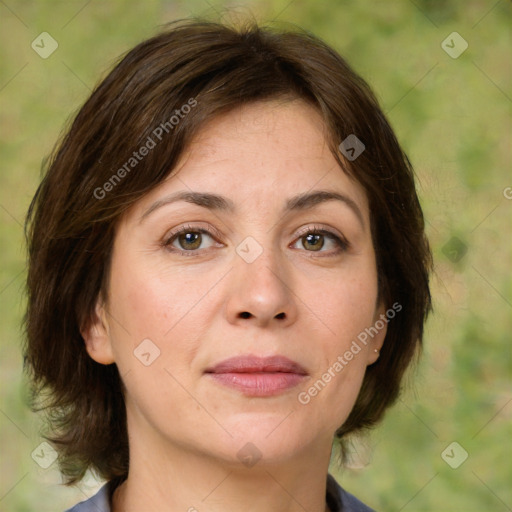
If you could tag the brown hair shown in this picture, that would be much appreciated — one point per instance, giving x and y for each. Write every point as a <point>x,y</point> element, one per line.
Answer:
<point>71,221</point>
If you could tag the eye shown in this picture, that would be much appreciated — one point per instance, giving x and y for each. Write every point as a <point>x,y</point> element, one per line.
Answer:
<point>187,240</point>
<point>314,240</point>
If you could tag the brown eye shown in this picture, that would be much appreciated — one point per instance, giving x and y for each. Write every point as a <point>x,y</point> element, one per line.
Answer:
<point>188,240</point>
<point>314,240</point>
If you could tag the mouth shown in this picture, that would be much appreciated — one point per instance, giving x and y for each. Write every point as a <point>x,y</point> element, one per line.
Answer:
<point>258,376</point>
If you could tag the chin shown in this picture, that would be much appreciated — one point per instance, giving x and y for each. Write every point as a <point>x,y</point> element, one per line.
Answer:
<point>274,437</point>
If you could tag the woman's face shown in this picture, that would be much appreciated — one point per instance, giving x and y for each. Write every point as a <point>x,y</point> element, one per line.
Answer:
<point>248,277</point>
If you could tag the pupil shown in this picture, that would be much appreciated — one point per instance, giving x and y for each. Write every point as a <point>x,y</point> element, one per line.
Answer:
<point>190,238</point>
<point>317,237</point>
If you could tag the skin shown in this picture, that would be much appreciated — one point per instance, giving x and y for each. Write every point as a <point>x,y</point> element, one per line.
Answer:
<point>306,301</point>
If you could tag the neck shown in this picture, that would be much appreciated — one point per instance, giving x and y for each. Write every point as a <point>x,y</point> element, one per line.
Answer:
<point>177,479</point>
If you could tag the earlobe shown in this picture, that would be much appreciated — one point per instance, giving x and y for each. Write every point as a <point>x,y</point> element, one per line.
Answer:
<point>380,325</point>
<point>97,338</point>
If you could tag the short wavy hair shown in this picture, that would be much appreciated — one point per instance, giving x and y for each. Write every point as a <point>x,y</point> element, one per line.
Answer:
<point>71,221</point>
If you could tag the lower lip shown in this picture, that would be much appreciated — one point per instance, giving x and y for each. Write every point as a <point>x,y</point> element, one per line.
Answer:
<point>259,384</point>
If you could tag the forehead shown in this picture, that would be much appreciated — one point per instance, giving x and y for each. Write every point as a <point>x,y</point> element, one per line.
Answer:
<point>258,155</point>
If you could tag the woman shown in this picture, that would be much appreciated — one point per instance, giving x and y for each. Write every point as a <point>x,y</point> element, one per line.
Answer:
<point>227,272</point>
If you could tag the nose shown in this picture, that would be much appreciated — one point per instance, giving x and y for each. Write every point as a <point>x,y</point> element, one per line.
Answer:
<point>261,291</point>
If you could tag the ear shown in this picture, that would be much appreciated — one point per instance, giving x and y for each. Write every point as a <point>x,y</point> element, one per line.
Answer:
<point>379,329</point>
<point>97,337</point>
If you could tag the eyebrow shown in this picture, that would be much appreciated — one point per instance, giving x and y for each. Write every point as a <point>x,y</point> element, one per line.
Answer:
<point>217,202</point>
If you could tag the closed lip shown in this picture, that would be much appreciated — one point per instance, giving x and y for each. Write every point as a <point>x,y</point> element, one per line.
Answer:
<point>255,364</point>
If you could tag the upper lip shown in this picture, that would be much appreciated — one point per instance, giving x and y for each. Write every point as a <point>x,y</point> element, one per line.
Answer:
<point>253,364</point>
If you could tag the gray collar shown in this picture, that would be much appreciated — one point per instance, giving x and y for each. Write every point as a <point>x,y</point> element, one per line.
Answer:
<point>337,499</point>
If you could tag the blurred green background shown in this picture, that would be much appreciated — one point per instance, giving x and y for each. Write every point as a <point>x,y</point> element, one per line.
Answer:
<point>453,118</point>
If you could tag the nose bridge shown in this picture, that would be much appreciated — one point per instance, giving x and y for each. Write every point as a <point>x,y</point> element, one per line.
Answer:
<point>260,282</point>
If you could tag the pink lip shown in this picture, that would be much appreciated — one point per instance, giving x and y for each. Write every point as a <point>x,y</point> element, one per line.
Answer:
<point>258,376</point>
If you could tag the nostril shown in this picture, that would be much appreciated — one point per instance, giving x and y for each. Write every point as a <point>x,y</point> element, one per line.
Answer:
<point>280,315</point>
<point>245,314</point>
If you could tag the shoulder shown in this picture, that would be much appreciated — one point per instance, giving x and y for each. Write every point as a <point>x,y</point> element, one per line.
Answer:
<point>97,503</point>
<point>340,500</point>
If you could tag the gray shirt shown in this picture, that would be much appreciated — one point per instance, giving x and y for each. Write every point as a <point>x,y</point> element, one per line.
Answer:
<point>337,498</point>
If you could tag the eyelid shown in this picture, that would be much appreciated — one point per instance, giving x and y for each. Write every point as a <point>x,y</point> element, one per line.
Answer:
<point>320,228</point>
<point>210,230</point>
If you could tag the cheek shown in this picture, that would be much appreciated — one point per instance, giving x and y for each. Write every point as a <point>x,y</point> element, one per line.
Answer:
<point>160,313</point>
<point>151,340</point>
<point>151,301</point>
<point>346,308</point>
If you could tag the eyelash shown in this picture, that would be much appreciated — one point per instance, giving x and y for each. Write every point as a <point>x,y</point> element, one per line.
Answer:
<point>342,244</point>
